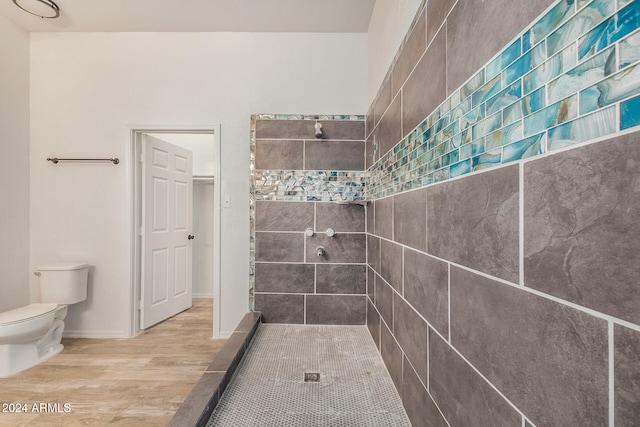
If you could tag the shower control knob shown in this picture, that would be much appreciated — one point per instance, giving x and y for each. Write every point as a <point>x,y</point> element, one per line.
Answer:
<point>191,237</point>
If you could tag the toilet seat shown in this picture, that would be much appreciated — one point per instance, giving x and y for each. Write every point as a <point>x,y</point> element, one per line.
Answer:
<point>28,312</point>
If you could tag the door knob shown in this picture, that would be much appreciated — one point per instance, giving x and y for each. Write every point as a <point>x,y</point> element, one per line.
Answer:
<point>191,237</point>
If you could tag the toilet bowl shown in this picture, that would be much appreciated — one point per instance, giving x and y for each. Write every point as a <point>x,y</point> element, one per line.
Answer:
<point>31,334</point>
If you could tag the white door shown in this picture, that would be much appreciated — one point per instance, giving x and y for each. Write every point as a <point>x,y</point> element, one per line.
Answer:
<point>167,195</point>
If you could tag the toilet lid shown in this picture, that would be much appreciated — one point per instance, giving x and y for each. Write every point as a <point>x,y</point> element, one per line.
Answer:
<point>24,313</point>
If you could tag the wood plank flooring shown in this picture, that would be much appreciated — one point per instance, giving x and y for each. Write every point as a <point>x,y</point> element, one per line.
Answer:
<point>125,382</point>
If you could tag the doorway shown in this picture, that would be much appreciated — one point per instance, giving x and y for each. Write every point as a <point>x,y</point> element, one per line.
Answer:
<point>204,231</point>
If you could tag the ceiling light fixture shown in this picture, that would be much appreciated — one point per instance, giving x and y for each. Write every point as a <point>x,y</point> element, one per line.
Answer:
<point>41,8</point>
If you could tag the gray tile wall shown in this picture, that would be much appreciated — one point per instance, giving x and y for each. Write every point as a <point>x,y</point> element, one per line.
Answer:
<point>507,297</point>
<point>525,298</point>
<point>293,284</point>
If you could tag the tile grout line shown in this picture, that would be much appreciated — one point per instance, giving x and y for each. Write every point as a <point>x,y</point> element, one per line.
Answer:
<point>612,411</point>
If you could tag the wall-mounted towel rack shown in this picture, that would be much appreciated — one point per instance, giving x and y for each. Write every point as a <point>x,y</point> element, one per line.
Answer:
<point>55,160</point>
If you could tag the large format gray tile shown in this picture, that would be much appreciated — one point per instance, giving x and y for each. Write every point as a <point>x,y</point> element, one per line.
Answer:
<point>411,53</point>
<point>626,376</point>
<point>285,129</point>
<point>373,252</point>
<point>371,154</point>
<point>284,278</point>
<point>421,409</point>
<point>581,226</point>
<point>410,219</point>
<point>341,248</point>
<point>336,310</point>
<point>384,301</point>
<point>280,308</point>
<point>473,221</point>
<point>280,247</point>
<point>283,216</point>
<point>371,275</point>
<point>411,332</point>
<point>370,212</point>
<point>340,217</point>
<point>279,154</point>
<point>392,356</point>
<point>373,323</point>
<point>467,48</point>
<point>343,129</point>
<point>462,395</point>
<point>384,217</point>
<point>389,130</point>
<point>334,155</point>
<point>341,279</point>
<point>369,125</point>
<point>426,288</point>
<point>391,264</point>
<point>437,11</point>
<point>382,101</point>
<point>550,360</point>
<point>425,88</point>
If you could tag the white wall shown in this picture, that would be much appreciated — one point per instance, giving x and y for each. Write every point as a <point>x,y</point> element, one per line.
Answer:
<point>389,23</point>
<point>14,166</point>
<point>89,89</point>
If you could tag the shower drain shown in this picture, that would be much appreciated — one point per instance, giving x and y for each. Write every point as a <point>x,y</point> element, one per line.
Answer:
<point>311,377</point>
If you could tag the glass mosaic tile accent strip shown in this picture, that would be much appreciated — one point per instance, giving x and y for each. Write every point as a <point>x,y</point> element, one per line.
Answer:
<point>560,83</point>
<point>296,185</point>
<point>309,185</point>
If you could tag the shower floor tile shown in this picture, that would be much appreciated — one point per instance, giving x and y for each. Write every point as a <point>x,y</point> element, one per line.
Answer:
<point>268,388</point>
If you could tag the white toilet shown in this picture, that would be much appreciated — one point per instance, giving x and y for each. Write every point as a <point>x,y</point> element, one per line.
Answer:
<point>32,334</point>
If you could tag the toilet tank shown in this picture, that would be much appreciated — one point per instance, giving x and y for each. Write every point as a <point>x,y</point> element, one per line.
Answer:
<point>63,283</point>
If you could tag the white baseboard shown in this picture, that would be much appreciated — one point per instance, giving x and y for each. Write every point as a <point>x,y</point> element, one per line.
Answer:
<point>207,295</point>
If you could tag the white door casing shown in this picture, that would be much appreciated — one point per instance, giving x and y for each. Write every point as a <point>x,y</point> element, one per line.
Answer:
<point>167,196</point>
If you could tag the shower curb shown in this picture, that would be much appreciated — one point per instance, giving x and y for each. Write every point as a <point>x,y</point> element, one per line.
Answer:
<point>205,395</point>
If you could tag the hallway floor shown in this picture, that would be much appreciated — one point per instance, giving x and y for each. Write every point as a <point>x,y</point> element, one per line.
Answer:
<point>126,382</point>
<point>269,387</point>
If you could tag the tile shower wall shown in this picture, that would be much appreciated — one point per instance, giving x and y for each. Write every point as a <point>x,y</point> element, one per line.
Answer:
<point>502,161</point>
<point>301,183</point>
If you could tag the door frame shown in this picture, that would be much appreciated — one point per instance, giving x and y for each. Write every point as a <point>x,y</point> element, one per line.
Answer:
<point>135,183</point>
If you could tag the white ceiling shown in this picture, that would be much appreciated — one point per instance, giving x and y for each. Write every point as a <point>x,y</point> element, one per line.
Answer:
<point>321,16</point>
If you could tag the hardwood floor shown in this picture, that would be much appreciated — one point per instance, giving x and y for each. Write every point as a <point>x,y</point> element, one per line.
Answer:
<point>126,382</point>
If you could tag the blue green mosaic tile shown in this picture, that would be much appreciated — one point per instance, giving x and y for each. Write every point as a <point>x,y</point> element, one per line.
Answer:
<point>487,160</point>
<point>549,22</point>
<point>460,168</point>
<point>552,68</point>
<point>472,149</point>
<point>526,63</point>
<point>595,125</point>
<point>504,59</point>
<point>629,50</point>
<point>621,85</point>
<point>525,106</point>
<point>579,24</point>
<point>524,148</point>
<point>534,96</point>
<point>552,115</point>
<point>504,136</point>
<point>488,125</point>
<point>490,88</point>
<point>630,113</point>
<point>503,98</point>
<point>472,85</point>
<point>583,75</point>
<point>613,29</point>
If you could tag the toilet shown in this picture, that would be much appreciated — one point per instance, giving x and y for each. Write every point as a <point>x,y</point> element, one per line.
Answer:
<point>31,334</point>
